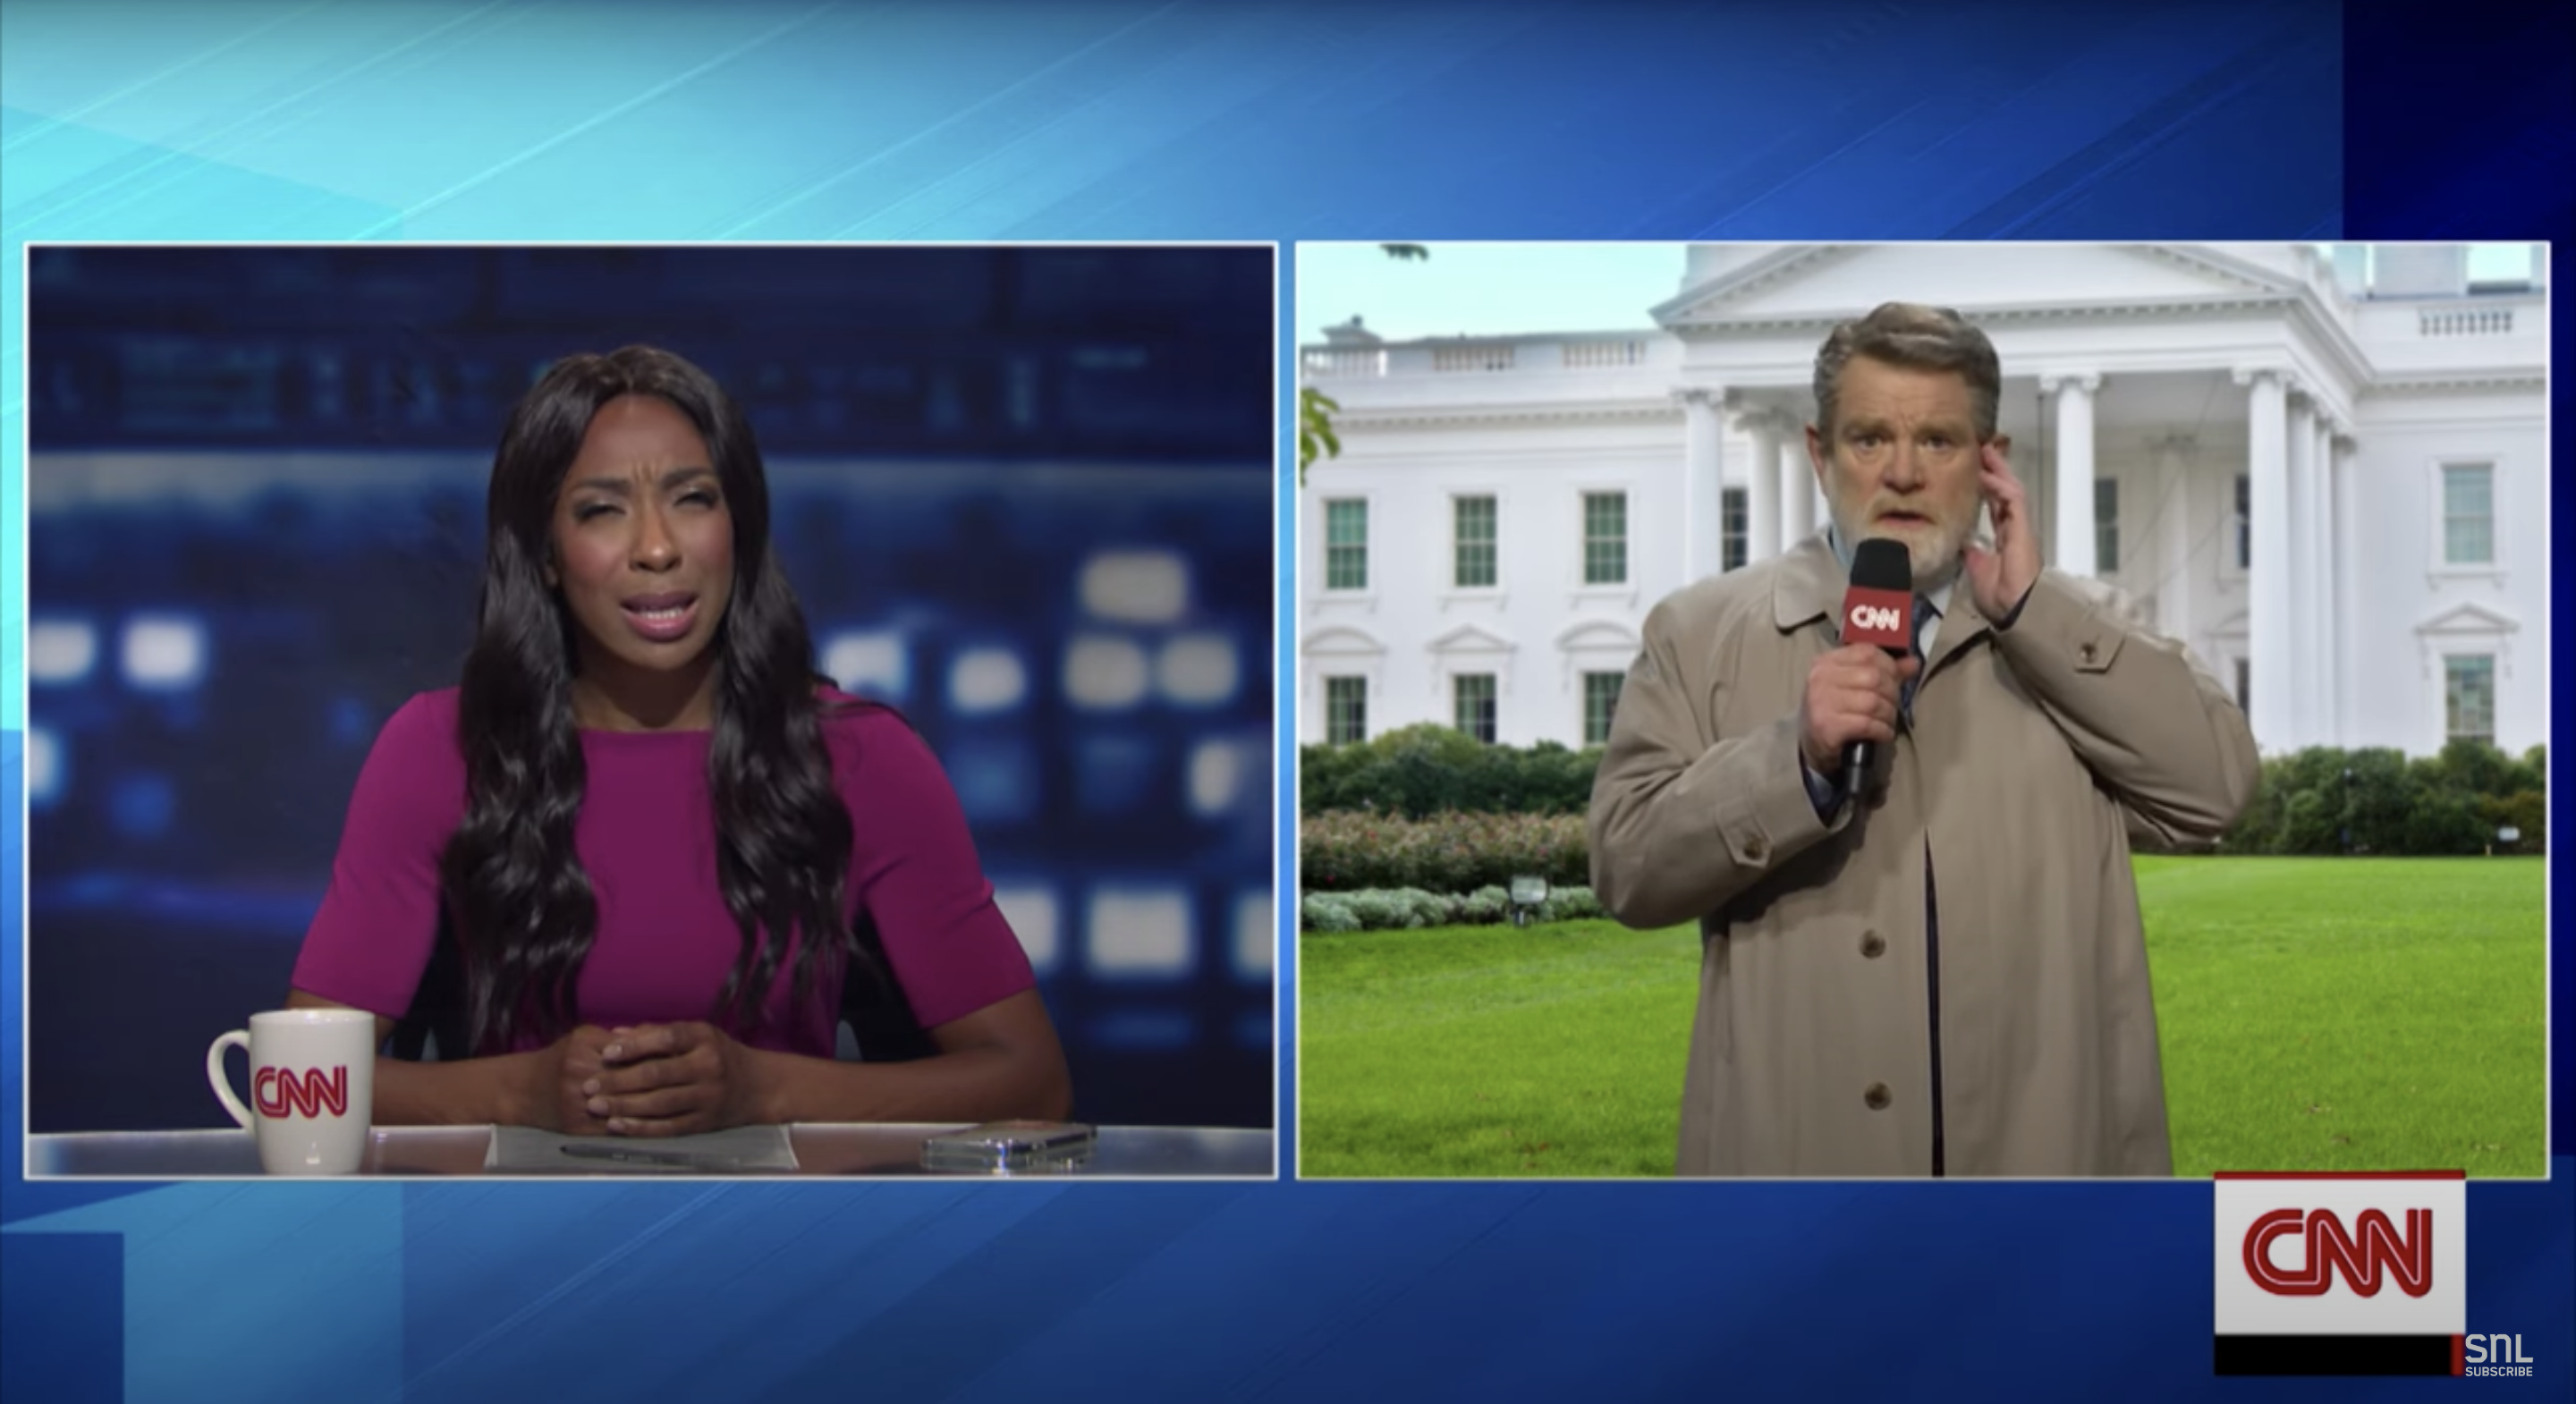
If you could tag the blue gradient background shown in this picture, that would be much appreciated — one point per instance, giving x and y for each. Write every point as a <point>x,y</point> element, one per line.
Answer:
<point>1188,120</point>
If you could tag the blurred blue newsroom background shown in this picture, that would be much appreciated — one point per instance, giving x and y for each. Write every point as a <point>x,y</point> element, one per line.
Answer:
<point>1024,494</point>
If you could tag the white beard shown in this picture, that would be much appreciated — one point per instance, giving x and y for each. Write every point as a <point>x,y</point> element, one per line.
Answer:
<point>1935,563</point>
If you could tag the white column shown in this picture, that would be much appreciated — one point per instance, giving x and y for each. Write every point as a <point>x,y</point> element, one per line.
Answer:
<point>2348,583</point>
<point>1761,489</point>
<point>1798,495</point>
<point>2174,564</point>
<point>2300,452</point>
<point>2074,553</point>
<point>2268,592</point>
<point>1702,480</point>
<point>2332,527</point>
<point>1762,467</point>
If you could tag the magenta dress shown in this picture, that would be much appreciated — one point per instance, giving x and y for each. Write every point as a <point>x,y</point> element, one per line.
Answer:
<point>646,836</point>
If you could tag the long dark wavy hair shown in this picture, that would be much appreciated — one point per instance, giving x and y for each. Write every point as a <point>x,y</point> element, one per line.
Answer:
<point>517,899</point>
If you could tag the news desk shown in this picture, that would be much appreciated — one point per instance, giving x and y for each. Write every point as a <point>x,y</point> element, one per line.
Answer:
<point>1120,1152</point>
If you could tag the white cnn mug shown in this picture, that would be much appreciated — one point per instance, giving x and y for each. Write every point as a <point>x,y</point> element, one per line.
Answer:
<point>312,1087</point>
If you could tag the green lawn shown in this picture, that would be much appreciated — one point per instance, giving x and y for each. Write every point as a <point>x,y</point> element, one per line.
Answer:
<point>2330,1014</point>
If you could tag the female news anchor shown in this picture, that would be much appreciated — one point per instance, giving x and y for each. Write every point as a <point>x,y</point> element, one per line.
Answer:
<point>650,829</point>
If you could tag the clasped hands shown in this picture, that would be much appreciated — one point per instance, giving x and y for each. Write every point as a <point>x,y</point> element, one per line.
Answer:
<point>652,1080</point>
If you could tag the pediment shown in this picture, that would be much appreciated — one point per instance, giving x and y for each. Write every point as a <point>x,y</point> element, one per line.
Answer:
<point>1603,634</point>
<point>1833,281</point>
<point>1467,638</point>
<point>2468,619</point>
<point>1341,641</point>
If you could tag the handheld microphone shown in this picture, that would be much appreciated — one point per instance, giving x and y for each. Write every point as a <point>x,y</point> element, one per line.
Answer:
<point>1877,609</point>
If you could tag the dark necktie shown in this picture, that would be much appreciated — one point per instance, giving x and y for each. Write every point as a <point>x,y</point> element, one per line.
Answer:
<point>1905,694</point>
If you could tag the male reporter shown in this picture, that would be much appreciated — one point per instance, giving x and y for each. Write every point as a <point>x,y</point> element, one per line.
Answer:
<point>1935,967</point>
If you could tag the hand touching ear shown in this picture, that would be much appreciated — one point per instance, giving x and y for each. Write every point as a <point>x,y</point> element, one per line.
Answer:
<point>2000,576</point>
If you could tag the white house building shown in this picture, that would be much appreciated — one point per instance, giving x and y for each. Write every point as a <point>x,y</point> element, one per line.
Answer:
<point>2326,473</point>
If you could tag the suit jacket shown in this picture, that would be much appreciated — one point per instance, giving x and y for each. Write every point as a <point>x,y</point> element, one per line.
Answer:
<point>1842,1029</point>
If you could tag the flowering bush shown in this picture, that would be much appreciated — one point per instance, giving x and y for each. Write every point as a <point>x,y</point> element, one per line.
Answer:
<point>1349,852</point>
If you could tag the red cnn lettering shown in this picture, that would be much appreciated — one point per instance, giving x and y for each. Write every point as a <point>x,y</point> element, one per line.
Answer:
<point>2408,1259</point>
<point>1877,617</point>
<point>279,1092</point>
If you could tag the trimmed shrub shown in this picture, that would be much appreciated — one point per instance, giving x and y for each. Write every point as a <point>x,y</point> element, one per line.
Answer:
<point>1328,911</point>
<point>1497,812</point>
<point>1484,907</point>
<point>2474,768</point>
<point>1401,909</point>
<point>1349,852</point>
<point>2446,822</point>
<point>2312,823</point>
<point>1570,904</point>
<point>1379,911</point>
<point>2325,801</point>
<point>1428,769</point>
<point>2379,798</point>
<point>2527,811</point>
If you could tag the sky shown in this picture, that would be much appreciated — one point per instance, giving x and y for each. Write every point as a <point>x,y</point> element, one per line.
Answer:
<point>1490,289</point>
<point>1482,289</point>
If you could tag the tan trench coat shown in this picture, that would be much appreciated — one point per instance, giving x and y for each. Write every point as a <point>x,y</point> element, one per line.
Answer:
<point>2031,757</point>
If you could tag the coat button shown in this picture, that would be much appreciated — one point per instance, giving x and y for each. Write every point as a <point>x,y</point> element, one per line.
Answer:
<point>1873,945</point>
<point>2087,652</point>
<point>1876,1096</point>
<point>1754,848</point>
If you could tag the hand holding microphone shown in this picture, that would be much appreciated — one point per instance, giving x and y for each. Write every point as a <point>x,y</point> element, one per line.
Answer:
<point>1852,693</point>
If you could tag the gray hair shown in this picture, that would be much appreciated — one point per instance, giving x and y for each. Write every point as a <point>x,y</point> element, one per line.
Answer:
<point>1917,337</point>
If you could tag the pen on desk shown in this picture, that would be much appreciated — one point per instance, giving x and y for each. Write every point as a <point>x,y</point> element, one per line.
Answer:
<point>666,1159</point>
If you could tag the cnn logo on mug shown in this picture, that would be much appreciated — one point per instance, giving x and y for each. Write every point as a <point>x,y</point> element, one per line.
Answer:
<point>312,1087</point>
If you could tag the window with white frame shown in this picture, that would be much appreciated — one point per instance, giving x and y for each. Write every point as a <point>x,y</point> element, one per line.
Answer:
<point>1600,705</point>
<point>2468,514</point>
<point>1735,532</point>
<point>1345,711</point>
<point>1346,544</point>
<point>1475,522</point>
<point>2106,525</point>
<point>1605,538</point>
<point>1473,705</point>
<point>2468,697</point>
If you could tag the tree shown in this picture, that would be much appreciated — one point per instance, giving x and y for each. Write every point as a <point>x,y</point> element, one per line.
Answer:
<point>1315,437</point>
<point>1315,409</point>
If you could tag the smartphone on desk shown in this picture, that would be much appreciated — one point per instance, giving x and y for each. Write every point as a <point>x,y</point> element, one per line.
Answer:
<point>1009,1147</point>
